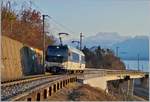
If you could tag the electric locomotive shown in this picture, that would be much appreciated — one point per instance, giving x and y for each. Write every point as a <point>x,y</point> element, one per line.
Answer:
<point>64,59</point>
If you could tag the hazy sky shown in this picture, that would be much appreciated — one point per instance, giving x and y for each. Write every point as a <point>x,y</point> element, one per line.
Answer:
<point>127,17</point>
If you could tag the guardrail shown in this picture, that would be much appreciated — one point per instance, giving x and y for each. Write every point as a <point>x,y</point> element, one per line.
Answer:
<point>107,71</point>
<point>89,73</point>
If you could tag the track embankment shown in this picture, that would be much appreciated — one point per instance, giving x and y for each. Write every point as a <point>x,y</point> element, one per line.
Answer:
<point>81,92</point>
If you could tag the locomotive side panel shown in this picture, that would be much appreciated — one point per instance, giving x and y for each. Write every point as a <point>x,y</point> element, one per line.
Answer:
<point>76,60</point>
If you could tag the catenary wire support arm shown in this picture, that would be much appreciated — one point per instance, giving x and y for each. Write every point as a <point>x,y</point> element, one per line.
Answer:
<point>60,38</point>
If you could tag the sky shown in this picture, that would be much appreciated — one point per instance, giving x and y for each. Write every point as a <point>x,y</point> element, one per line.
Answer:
<point>127,17</point>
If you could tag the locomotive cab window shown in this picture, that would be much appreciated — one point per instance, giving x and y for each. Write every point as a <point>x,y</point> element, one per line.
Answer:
<point>75,57</point>
<point>56,54</point>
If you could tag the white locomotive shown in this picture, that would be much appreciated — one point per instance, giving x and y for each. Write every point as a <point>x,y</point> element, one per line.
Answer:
<point>64,59</point>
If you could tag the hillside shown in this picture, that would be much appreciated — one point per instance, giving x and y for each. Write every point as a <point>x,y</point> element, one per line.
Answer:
<point>24,26</point>
<point>104,39</point>
<point>77,92</point>
<point>129,46</point>
<point>134,46</point>
<point>102,59</point>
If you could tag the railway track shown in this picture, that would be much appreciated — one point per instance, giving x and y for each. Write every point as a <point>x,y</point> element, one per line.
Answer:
<point>14,88</point>
<point>24,79</point>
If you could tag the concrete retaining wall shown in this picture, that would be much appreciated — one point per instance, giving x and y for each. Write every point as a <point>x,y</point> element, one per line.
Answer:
<point>99,82</point>
<point>19,60</point>
<point>11,63</point>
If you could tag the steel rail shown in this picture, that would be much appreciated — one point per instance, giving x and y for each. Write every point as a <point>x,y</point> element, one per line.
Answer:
<point>14,88</point>
<point>26,79</point>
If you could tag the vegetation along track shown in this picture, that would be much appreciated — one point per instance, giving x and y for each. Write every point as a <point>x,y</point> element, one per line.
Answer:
<point>13,88</point>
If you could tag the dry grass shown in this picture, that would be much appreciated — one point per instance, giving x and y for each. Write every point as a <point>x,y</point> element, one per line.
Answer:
<point>88,93</point>
<point>76,92</point>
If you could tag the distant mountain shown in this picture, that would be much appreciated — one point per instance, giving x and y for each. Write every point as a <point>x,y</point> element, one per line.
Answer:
<point>105,39</point>
<point>130,48</point>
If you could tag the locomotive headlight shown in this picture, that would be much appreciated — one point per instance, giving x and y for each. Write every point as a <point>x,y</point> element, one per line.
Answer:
<point>57,47</point>
<point>58,55</point>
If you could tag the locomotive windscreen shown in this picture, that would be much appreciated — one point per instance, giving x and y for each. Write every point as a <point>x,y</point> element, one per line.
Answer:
<point>56,53</point>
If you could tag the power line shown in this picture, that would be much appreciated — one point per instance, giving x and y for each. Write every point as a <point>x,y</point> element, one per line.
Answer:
<point>60,24</point>
<point>63,26</point>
